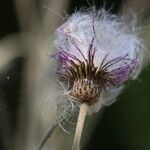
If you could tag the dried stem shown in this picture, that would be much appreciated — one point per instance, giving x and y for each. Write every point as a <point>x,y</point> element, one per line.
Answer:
<point>79,127</point>
<point>47,135</point>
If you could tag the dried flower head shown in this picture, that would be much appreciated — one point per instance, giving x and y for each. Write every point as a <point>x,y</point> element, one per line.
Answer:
<point>97,54</point>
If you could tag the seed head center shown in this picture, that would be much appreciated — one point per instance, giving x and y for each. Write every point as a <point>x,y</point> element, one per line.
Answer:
<point>85,91</point>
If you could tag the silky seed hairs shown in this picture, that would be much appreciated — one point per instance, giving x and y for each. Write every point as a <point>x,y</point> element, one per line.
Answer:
<point>97,53</point>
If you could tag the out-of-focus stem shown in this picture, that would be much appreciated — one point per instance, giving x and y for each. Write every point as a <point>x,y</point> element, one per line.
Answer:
<point>47,135</point>
<point>27,14</point>
<point>79,127</point>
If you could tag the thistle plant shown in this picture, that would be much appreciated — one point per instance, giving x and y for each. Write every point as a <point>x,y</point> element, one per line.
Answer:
<point>97,53</point>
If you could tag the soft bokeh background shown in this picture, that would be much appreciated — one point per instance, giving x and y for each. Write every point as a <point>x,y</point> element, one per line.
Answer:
<point>27,76</point>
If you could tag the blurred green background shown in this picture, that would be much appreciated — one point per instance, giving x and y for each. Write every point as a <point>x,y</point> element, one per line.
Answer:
<point>26,75</point>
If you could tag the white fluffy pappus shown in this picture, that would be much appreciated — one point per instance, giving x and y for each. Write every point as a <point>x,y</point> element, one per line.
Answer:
<point>107,43</point>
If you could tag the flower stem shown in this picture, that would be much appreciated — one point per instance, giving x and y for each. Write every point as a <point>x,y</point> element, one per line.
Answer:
<point>79,127</point>
<point>47,135</point>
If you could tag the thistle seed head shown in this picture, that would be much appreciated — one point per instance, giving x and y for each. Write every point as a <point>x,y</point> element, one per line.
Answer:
<point>97,54</point>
